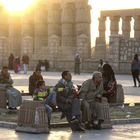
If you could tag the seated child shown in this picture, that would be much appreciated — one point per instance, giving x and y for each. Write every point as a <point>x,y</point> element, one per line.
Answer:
<point>41,93</point>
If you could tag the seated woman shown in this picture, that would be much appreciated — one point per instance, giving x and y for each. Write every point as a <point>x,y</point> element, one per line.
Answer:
<point>109,83</point>
<point>41,93</point>
<point>13,95</point>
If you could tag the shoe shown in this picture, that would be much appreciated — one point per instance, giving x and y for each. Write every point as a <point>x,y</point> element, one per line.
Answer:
<point>75,120</point>
<point>10,108</point>
<point>79,129</point>
<point>99,125</point>
<point>88,126</point>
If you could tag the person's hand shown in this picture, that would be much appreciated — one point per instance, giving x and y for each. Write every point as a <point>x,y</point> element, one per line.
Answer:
<point>99,96</point>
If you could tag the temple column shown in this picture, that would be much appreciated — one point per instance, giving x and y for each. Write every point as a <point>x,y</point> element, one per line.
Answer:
<point>126,26</point>
<point>100,44</point>
<point>136,26</point>
<point>54,32</point>
<point>83,21</point>
<point>68,34</point>
<point>27,32</point>
<point>40,30</point>
<point>4,49</point>
<point>102,26</point>
<point>114,26</point>
<point>15,34</point>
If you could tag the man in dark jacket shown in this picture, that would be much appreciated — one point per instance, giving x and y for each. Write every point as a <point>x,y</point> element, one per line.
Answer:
<point>67,102</point>
<point>33,79</point>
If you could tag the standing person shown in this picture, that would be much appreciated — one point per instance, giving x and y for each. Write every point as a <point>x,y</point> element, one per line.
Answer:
<point>67,102</point>
<point>100,66</point>
<point>17,64</point>
<point>77,64</point>
<point>25,61</point>
<point>33,79</point>
<point>109,83</point>
<point>10,61</point>
<point>135,67</point>
<point>13,95</point>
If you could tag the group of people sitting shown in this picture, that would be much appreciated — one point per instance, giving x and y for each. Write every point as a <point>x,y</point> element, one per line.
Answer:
<point>70,102</point>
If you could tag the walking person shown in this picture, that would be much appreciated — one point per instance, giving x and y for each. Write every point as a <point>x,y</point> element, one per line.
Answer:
<point>77,64</point>
<point>135,67</point>
<point>25,61</point>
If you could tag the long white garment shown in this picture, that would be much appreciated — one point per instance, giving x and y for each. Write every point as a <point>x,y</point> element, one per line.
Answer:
<point>14,97</point>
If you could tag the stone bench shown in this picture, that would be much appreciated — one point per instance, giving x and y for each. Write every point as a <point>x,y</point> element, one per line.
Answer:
<point>32,117</point>
<point>3,99</point>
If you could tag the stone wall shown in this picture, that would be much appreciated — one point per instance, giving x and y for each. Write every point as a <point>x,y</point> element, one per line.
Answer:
<point>122,51</point>
<point>53,30</point>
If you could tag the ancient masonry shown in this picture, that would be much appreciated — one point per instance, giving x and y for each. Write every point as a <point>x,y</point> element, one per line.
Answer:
<point>53,29</point>
<point>121,47</point>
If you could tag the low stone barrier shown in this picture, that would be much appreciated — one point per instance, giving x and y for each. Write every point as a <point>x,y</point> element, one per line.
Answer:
<point>32,117</point>
<point>3,99</point>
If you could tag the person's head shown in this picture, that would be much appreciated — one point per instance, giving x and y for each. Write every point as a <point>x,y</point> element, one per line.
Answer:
<point>4,69</point>
<point>66,75</point>
<point>136,57</point>
<point>101,61</point>
<point>38,71</point>
<point>97,77</point>
<point>40,84</point>
<point>107,69</point>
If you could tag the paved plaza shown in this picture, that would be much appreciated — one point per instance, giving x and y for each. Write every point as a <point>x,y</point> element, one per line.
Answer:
<point>132,95</point>
<point>119,132</point>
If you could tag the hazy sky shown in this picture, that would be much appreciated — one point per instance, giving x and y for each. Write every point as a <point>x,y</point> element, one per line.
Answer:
<point>98,5</point>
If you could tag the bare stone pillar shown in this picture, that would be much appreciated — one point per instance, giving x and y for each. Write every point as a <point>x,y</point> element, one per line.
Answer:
<point>126,26</point>
<point>114,26</point>
<point>54,32</point>
<point>83,20</point>
<point>4,51</point>
<point>136,26</point>
<point>54,19</point>
<point>27,33</point>
<point>15,34</point>
<point>68,28</point>
<point>40,31</point>
<point>102,26</point>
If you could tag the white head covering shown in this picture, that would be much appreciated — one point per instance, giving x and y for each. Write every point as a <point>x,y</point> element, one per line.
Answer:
<point>95,73</point>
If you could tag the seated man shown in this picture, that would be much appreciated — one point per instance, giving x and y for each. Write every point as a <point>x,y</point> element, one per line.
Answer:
<point>68,102</point>
<point>91,95</point>
<point>33,79</point>
<point>13,95</point>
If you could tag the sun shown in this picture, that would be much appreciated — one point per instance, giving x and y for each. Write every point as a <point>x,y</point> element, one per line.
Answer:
<point>16,5</point>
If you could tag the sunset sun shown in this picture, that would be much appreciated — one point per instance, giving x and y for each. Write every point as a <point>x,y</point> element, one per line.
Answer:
<point>17,5</point>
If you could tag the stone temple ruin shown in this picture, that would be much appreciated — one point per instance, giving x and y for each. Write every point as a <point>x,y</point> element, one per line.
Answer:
<point>56,30</point>
<point>121,47</point>
<point>53,29</point>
